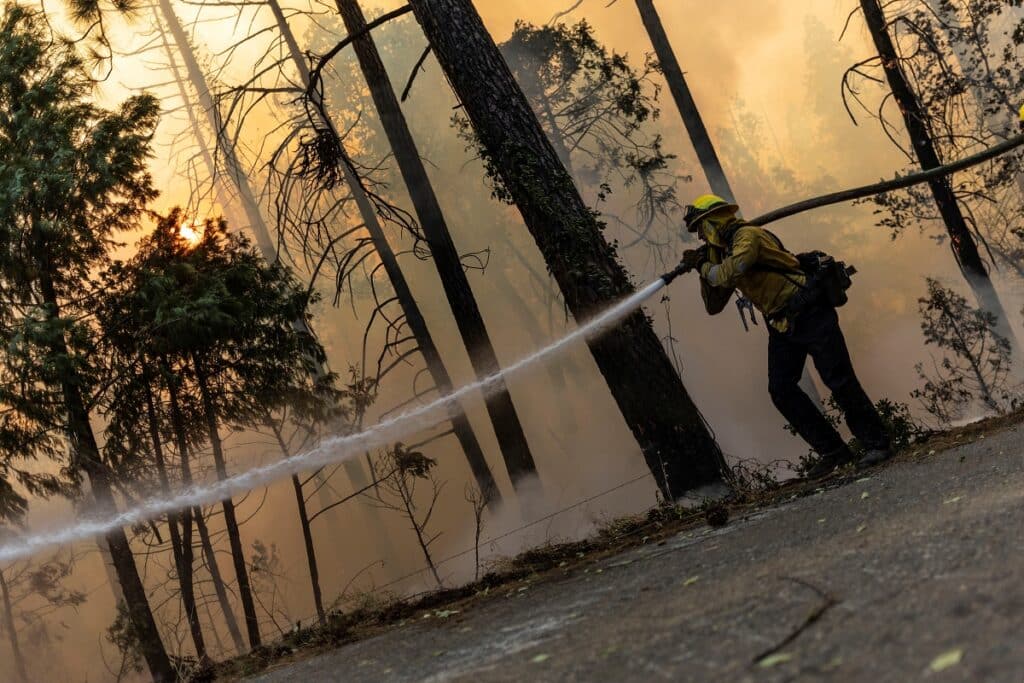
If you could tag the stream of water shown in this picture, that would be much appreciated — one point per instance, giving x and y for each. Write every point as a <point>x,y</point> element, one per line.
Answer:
<point>331,450</point>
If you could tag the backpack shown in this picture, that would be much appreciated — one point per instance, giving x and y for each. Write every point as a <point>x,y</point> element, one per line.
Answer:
<point>826,278</point>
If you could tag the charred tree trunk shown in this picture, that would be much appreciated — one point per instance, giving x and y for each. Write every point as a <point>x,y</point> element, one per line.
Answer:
<point>252,624</point>
<point>307,532</point>
<point>676,443</point>
<point>698,133</point>
<point>219,193</point>
<point>965,249</point>
<point>417,324</point>
<point>507,427</point>
<point>87,456</point>
<point>218,582</point>
<point>12,631</point>
<point>183,556</point>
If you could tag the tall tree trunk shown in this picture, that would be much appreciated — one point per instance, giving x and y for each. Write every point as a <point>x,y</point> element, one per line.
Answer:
<point>695,128</point>
<point>307,533</point>
<point>183,559</point>
<point>507,427</point>
<point>266,246</point>
<point>676,442</point>
<point>181,436</point>
<point>218,582</point>
<point>698,133</point>
<point>417,324</point>
<point>220,194</point>
<point>87,456</point>
<point>252,624</point>
<point>12,630</point>
<point>965,249</point>
<point>225,146</point>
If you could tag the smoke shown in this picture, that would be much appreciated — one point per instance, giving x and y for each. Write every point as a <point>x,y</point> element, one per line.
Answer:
<point>332,449</point>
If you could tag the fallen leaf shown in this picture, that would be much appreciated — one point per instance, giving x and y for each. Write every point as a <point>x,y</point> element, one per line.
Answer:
<point>692,580</point>
<point>445,613</point>
<point>772,660</point>
<point>952,500</point>
<point>821,521</point>
<point>861,528</point>
<point>833,664</point>
<point>865,495</point>
<point>947,660</point>
<point>540,659</point>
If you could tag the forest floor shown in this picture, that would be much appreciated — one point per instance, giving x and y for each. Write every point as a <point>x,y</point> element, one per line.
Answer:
<point>912,571</point>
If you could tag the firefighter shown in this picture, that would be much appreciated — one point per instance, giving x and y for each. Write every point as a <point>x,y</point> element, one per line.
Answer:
<point>801,323</point>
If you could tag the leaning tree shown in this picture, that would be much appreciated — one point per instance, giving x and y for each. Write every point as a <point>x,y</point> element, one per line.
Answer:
<point>897,61</point>
<point>673,436</point>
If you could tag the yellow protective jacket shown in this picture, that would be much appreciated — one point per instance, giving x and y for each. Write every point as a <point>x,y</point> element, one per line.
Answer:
<point>733,264</point>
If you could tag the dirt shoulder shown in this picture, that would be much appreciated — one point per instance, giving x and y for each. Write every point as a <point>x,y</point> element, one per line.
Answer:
<point>910,572</point>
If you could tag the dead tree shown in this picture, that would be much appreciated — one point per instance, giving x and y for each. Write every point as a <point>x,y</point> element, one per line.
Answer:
<point>507,427</point>
<point>675,440</point>
<point>694,122</point>
<point>389,262</point>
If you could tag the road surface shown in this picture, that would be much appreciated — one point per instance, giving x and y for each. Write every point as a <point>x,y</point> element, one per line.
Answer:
<point>916,573</point>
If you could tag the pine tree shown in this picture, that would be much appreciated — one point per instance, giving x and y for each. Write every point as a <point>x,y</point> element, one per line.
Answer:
<point>72,176</point>
<point>676,443</point>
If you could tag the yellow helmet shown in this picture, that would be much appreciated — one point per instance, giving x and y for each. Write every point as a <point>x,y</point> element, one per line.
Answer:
<point>704,206</point>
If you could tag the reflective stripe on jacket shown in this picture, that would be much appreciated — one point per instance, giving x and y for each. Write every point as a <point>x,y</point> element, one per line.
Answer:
<point>734,266</point>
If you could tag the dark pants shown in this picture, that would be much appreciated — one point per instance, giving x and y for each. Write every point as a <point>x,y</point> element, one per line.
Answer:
<point>816,333</point>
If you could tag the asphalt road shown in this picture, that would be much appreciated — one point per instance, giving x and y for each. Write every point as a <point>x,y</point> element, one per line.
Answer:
<point>916,573</point>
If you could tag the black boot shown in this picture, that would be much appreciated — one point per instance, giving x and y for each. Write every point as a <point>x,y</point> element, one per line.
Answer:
<point>875,456</point>
<point>830,461</point>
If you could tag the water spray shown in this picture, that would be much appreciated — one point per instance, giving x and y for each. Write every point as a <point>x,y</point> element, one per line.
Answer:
<point>332,449</point>
<point>343,447</point>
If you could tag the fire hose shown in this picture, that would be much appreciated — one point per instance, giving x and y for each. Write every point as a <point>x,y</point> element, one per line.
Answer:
<point>855,193</point>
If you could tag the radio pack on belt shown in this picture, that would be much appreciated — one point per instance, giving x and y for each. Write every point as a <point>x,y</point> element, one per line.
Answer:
<point>829,277</point>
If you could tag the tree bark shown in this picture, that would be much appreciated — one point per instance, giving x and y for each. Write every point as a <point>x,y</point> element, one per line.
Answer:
<point>183,556</point>
<point>252,624</point>
<point>12,631</point>
<point>507,426</point>
<point>675,441</point>
<point>417,324</point>
<point>965,249</point>
<point>87,456</point>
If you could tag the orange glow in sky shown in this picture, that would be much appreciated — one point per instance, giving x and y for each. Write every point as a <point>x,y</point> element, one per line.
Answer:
<point>191,232</point>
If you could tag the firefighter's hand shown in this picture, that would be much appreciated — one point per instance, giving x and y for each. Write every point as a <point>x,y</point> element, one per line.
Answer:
<point>692,259</point>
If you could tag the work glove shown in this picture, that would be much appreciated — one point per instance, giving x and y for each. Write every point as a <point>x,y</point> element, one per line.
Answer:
<point>693,259</point>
